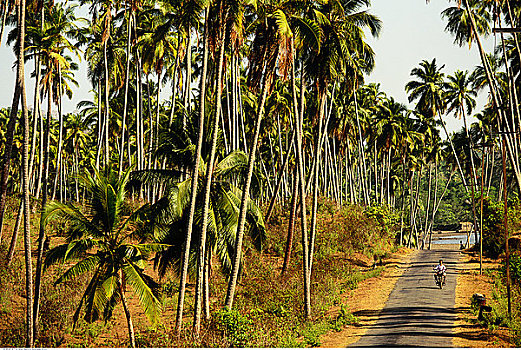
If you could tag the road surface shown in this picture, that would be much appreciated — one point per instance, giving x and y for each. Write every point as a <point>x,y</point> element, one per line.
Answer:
<point>417,312</point>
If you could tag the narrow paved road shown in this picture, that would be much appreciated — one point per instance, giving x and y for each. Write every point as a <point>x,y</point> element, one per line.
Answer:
<point>417,313</point>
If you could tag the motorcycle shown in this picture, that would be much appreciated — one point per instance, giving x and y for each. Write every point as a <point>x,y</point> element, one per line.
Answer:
<point>439,277</point>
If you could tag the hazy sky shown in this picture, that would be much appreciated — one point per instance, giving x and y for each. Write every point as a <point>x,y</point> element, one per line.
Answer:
<point>412,32</point>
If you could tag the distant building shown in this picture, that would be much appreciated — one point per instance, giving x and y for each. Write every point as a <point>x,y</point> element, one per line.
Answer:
<point>465,226</point>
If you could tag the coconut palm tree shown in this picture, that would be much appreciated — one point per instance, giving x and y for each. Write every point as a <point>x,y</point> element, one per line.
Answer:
<point>428,90</point>
<point>269,54</point>
<point>109,244</point>
<point>459,24</point>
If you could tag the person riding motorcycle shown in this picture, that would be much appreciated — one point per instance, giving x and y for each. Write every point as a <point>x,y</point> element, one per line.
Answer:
<point>440,270</point>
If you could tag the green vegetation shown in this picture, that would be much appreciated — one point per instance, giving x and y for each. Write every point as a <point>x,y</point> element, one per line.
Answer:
<point>499,316</point>
<point>268,312</point>
<point>267,107</point>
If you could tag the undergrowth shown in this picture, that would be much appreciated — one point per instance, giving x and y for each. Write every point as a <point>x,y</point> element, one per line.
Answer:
<point>499,317</point>
<point>268,309</point>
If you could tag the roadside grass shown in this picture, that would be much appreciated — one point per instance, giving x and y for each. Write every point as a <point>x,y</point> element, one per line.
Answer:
<point>498,317</point>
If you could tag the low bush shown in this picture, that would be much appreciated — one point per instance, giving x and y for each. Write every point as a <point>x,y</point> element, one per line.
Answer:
<point>236,328</point>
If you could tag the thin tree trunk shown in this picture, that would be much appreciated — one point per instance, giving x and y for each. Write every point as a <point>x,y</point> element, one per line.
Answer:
<point>125,104</point>
<point>207,269</point>
<point>207,188</point>
<point>130,325</point>
<point>246,196</point>
<point>14,238</point>
<point>279,179</point>
<point>107,105</point>
<point>299,120</point>
<point>494,92</point>
<point>5,10</point>
<point>291,225</point>
<point>364,173</point>
<point>60,144</point>
<point>41,232</point>
<point>193,193</point>
<point>314,208</point>
<point>6,159</point>
<point>455,154</point>
<point>29,342</point>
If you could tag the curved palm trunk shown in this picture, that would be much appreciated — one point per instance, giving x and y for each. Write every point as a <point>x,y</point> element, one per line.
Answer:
<point>193,193</point>
<point>495,96</point>
<point>314,210</point>
<point>207,189</point>
<point>455,154</point>
<point>299,120</point>
<point>246,197</point>
<point>279,179</point>
<point>473,180</point>
<point>130,324</point>
<point>6,159</point>
<point>29,342</point>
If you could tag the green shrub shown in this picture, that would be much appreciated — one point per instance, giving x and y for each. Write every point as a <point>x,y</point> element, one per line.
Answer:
<point>515,268</point>
<point>493,232</point>
<point>344,318</point>
<point>235,327</point>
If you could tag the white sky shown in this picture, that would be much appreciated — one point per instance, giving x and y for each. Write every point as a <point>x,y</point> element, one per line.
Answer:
<point>412,32</point>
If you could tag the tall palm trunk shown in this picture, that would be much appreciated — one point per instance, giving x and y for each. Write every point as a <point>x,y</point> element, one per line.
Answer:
<point>279,178</point>
<point>36,113</point>
<point>318,153</point>
<point>193,193</point>
<point>455,154</point>
<point>364,173</point>
<point>41,232</point>
<point>208,187</point>
<point>107,105</point>
<point>125,104</point>
<point>299,121</point>
<point>473,179</point>
<point>14,237</point>
<point>494,93</point>
<point>291,225</point>
<point>60,143</point>
<point>99,134</point>
<point>246,195</point>
<point>29,342</point>
<point>6,159</point>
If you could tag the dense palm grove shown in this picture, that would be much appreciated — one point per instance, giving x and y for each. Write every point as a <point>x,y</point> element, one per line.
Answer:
<point>265,106</point>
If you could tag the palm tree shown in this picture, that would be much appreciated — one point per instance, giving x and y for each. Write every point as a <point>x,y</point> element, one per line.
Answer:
<point>342,46</point>
<point>459,24</point>
<point>461,101</point>
<point>19,97</point>
<point>222,216</point>
<point>196,164</point>
<point>428,90</point>
<point>111,244</point>
<point>471,19</point>
<point>269,51</point>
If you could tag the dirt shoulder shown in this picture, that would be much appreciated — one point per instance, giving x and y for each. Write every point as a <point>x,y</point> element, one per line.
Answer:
<point>371,294</point>
<point>468,332</point>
